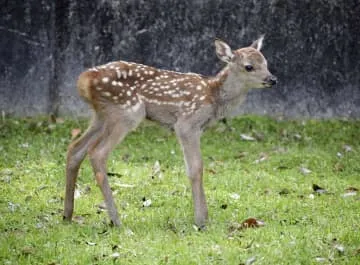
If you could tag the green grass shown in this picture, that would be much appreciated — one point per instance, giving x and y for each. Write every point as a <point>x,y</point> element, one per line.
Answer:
<point>301,227</point>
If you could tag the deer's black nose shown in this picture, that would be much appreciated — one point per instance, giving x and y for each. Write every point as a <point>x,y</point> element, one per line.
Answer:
<point>271,80</point>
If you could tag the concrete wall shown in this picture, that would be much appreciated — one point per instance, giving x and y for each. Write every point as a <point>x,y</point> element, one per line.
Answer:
<point>312,46</point>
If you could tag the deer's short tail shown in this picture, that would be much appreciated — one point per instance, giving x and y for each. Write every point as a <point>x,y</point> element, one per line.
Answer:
<point>86,83</point>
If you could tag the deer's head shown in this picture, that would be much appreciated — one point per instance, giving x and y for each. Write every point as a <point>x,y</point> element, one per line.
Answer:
<point>247,64</point>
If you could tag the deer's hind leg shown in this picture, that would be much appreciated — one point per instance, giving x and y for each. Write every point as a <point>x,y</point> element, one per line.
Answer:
<point>76,153</point>
<point>117,126</point>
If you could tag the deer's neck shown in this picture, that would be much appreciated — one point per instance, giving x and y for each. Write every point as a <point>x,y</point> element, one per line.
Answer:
<point>231,92</point>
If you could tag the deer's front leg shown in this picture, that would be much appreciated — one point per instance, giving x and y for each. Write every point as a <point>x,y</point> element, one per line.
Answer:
<point>190,143</point>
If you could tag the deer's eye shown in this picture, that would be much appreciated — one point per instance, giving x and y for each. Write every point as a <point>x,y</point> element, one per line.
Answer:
<point>249,68</point>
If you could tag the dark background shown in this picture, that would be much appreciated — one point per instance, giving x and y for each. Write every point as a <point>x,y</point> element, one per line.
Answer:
<point>312,46</point>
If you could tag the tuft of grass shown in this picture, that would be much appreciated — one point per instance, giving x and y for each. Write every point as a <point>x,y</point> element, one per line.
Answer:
<point>268,175</point>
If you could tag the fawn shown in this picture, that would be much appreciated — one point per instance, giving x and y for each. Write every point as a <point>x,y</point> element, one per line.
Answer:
<point>122,94</point>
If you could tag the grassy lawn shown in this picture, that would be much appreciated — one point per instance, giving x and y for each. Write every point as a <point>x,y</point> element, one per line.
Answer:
<point>260,168</point>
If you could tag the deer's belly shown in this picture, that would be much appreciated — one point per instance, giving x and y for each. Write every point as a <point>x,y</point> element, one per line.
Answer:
<point>164,114</point>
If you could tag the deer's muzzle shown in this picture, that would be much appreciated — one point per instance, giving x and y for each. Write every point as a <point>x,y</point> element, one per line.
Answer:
<point>270,81</point>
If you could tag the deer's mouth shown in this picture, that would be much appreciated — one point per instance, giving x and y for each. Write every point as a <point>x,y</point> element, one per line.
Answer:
<point>267,84</point>
<point>270,81</point>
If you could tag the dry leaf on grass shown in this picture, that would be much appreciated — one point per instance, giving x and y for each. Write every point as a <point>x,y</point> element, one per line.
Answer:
<point>248,223</point>
<point>78,219</point>
<point>250,260</point>
<point>347,148</point>
<point>246,137</point>
<point>305,170</point>
<point>147,203</point>
<point>234,196</point>
<point>351,191</point>
<point>156,171</point>
<point>262,157</point>
<point>318,189</point>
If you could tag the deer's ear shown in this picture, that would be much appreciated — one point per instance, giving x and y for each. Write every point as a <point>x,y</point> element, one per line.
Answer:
<point>258,43</point>
<point>223,51</point>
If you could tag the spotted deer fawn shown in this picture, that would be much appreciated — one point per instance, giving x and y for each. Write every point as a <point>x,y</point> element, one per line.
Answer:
<point>122,94</point>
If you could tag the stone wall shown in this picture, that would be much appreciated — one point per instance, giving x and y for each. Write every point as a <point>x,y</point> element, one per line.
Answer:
<point>312,46</point>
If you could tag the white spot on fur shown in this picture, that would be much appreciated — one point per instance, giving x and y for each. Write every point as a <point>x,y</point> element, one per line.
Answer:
<point>198,87</point>
<point>128,93</point>
<point>124,74</point>
<point>106,94</point>
<point>118,73</point>
<point>105,79</point>
<point>98,88</point>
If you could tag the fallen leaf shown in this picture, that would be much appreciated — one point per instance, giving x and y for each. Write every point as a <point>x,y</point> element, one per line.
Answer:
<point>340,248</point>
<point>234,196</point>
<point>252,222</point>
<point>156,171</point>
<point>13,206</point>
<point>75,133</point>
<point>246,137</point>
<point>101,207</point>
<point>248,223</point>
<point>305,170</point>
<point>318,189</point>
<point>77,194</point>
<point>321,259</point>
<point>347,148</point>
<point>129,232</point>
<point>147,203</point>
<point>259,136</point>
<point>351,191</point>
<point>297,136</point>
<point>24,145</point>
<point>123,185</point>
<point>216,249</point>
<point>250,261</point>
<point>78,219</point>
<point>59,120</point>
<point>115,255</point>
<point>263,157</point>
